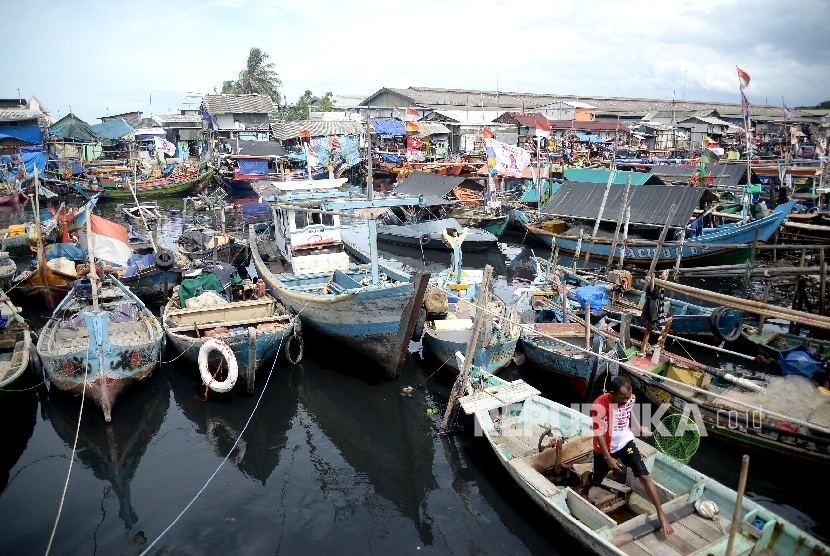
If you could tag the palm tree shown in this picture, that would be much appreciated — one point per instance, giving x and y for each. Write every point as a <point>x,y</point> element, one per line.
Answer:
<point>257,77</point>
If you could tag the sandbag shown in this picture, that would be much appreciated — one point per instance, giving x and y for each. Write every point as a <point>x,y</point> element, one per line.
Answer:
<point>206,299</point>
<point>435,302</point>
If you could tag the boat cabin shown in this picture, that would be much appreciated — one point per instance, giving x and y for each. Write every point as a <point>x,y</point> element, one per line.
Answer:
<point>308,239</point>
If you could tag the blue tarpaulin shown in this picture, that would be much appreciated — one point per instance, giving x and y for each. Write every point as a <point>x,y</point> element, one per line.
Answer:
<point>391,158</point>
<point>586,138</point>
<point>253,166</point>
<point>113,129</point>
<point>597,296</point>
<point>799,360</point>
<point>388,127</point>
<point>31,157</point>
<point>25,133</point>
<point>69,250</point>
<point>346,145</point>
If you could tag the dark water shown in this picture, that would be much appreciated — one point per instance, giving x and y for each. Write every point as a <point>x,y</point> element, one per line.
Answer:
<point>333,460</point>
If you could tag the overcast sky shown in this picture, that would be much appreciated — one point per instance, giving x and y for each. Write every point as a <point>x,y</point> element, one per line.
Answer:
<point>108,57</point>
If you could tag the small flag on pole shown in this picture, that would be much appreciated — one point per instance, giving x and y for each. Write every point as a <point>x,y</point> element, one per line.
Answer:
<point>788,114</point>
<point>745,104</point>
<point>488,133</point>
<point>304,133</point>
<point>108,240</point>
<point>396,112</point>
<point>542,129</point>
<point>412,115</point>
<point>743,77</point>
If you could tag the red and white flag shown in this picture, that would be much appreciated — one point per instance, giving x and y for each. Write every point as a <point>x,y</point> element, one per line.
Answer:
<point>396,112</point>
<point>542,129</point>
<point>412,115</point>
<point>743,77</point>
<point>108,240</point>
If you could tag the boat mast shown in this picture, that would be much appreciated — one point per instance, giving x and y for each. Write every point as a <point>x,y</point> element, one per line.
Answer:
<point>372,218</point>
<point>93,273</point>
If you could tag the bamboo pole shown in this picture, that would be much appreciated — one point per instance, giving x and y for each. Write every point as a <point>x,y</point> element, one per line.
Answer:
<point>587,324</point>
<point>620,215</point>
<point>578,249</point>
<point>625,235</point>
<point>762,317</point>
<point>748,305</point>
<point>663,233</point>
<point>823,264</point>
<point>460,386</point>
<point>599,215</point>
<point>736,516</point>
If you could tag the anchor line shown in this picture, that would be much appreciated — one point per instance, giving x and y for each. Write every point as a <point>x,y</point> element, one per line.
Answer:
<point>236,442</point>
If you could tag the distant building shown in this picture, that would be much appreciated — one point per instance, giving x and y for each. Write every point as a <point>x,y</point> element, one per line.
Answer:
<point>242,116</point>
<point>569,110</point>
<point>184,130</point>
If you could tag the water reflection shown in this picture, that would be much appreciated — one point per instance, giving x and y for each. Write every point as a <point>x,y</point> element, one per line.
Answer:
<point>113,451</point>
<point>20,410</point>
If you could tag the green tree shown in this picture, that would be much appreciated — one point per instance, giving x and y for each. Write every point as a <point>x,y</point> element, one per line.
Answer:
<point>258,76</point>
<point>820,106</point>
<point>325,104</point>
<point>300,109</point>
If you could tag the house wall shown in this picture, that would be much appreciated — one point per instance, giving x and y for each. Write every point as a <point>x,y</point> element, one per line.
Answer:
<point>584,114</point>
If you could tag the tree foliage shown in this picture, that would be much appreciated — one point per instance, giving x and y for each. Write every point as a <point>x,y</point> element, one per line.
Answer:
<point>259,76</point>
<point>820,106</point>
<point>303,106</point>
<point>324,104</point>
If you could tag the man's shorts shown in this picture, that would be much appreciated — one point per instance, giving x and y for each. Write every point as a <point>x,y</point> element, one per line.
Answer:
<point>629,455</point>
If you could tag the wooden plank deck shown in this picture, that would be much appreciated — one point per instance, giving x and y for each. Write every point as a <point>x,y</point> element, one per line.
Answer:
<point>497,396</point>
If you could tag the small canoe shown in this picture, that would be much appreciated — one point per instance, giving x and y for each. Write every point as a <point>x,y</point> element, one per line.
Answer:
<point>109,349</point>
<point>210,245</point>
<point>15,342</point>
<point>46,281</point>
<point>255,329</point>
<point>616,518</point>
<point>427,234</point>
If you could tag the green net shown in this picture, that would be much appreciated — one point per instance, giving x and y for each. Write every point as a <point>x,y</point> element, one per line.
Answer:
<point>679,437</point>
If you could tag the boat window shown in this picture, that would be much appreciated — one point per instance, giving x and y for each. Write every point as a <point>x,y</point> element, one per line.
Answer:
<point>300,220</point>
<point>328,220</point>
<point>316,218</point>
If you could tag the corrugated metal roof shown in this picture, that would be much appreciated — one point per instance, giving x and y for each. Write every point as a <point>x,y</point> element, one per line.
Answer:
<point>592,125</point>
<point>178,118</point>
<point>471,117</point>
<point>290,130</point>
<point>725,174</point>
<point>427,184</point>
<point>650,204</point>
<point>591,175</point>
<point>16,115</point>
<point>426,128</point>
<point>238,104</point>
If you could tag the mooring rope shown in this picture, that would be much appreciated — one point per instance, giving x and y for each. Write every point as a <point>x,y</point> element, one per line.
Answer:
<point>236,442</point>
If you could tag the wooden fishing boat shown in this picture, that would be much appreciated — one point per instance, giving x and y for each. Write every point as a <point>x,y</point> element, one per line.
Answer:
<point>256,329</point>
<point>770,343</point>
<point>493,222</point>
<point>15,343</point>
<point>617,518</point>
<point>211,245</point>
<point>646,208</point>
<point>784,414</point>
<point>371,308</point>
<point>449,332</point>
<point>48,281</point>
<point>428,234</point>
<point>189,181</point>
<point>105,338</point>
<point>154,277</point>
<point>13,198</point>
<point>20,238</point>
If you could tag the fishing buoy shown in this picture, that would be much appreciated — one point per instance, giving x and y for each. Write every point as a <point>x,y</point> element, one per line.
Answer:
<point>207,378</point>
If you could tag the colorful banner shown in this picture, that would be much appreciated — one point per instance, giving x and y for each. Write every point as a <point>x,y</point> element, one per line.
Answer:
<point>508,160</point>
<point>414,142</point>
<point>165,146</point>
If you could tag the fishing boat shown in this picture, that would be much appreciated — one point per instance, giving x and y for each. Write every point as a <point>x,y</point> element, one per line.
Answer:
<point>100,339</point>
<point>449,330</point>
<point>494,222</point>
<point>154,276</point>
<point>254,324</point>
<point>770,343</point>
<point>189,180</point>
<point>784,414</point>
<point>371,308</point>
<point>205,244</point>
<point>428,234</point>
<point>15,343</point>
<point>238,172</point>
<point>616,518</point>
<point>8,268</point>
<point>650,208</point>
<point>13,198</point>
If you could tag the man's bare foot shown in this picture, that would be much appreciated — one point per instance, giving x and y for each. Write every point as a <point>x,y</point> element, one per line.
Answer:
<point>666,527</point>
<point>586,484</point>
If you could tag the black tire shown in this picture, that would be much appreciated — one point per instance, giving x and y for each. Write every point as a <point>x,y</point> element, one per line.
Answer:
<point>298,341</point>
<point>165,259</point>
<point>419,325</point>
<point>547,432</point>
<point>717,331</point>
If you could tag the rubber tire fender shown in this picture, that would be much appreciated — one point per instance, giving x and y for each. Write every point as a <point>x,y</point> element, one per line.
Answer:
<point>717,332</point>
<point>548,431</point>
<point>418,331</point>
<point>164,259</point>
<point>215,344</point>
<point>300,348</point>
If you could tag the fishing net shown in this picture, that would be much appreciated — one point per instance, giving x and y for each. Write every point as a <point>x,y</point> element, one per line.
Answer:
<point>678,438</point>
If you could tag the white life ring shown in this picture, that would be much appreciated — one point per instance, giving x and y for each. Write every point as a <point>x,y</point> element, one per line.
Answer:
<point>233,371</point>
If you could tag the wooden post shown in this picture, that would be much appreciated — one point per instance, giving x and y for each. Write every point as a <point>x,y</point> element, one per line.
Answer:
<point>555,255</point>
<point>736,516</point>
<point>588,326</point>
<point>823,265</point>
<point>623,206</point>
<point>625,235</point>
<point>599,215</point>
<point>680,253</point>
<point>460,385</point>
<point>660,241</point>
<point>578,249</point>
<point>565,317</point>
<point>775,242</point>
<point>764,300</point>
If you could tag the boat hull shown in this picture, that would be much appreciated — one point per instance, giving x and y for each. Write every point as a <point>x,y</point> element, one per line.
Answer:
<point>149,284</point>
<point>235,254</point>
<point>156,188</point>
<point>491,358</point>
<point>46,284</point>
<point>428,235</point>
<point>573,366</point>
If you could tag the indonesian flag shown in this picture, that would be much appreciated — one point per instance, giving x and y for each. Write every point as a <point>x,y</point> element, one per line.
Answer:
<point>108,240</point>
<point>743,77</point>
<point>488,133</point>
<point>396,112</point>
<point>412,115</point>
<point>542,129</point>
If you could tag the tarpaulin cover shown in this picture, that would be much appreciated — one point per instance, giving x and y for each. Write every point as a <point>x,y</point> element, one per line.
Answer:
<point>388,127</point>
<point>195,286</point>
<point>597,296</point>
<point>586,138</point>
<point>30,157</point>
<point>73,128</point>
<point>113,129</point>
<point>25,133</point>
<point>594,175</point>
<point>69,250</point>
<point>251,166</point>
<point>394,159</point>
<point>799,360</point>
<point>260,148</point>
<point>650,204</point>
<point>346,146</point>
<point>426,184</point>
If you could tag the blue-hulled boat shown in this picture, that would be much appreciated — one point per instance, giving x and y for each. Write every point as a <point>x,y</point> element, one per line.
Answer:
<point>448,333</point>
<point>151,282</point>
<point>575,200</point>
<point>256,330</point>
<point>109,341</point>
<point>369,308</point>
